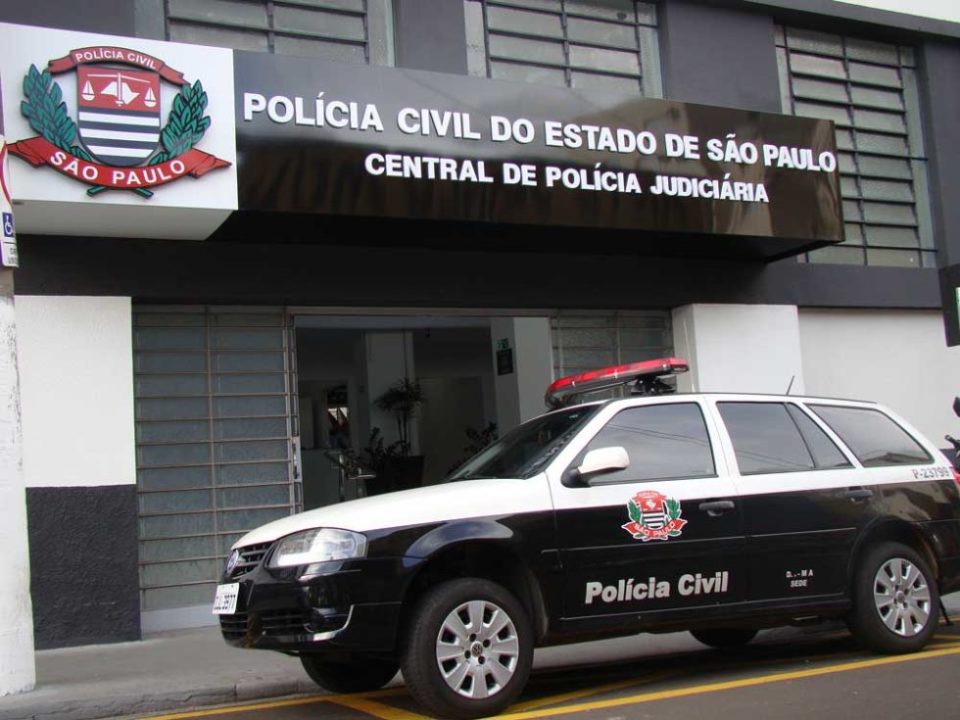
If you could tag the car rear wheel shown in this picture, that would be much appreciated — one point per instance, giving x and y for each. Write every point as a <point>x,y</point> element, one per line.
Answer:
<point>468,650</point>
<point>896,605</point>
<point>359,675</point>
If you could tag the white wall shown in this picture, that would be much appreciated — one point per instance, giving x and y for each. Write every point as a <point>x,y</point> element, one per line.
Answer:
<point>76,386</point>
<point>520,394</point>
<point>16,631</point>
<point>739,348</point>
<point>898,358</point>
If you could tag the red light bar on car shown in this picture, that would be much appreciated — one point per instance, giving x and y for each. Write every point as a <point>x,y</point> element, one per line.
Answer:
<point>560,391</point>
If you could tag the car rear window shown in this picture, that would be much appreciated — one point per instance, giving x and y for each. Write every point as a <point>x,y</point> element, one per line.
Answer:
<point>873,437</point>
<point>765,438</point>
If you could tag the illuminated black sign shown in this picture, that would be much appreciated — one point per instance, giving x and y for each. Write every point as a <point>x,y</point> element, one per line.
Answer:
<point>349,140</point>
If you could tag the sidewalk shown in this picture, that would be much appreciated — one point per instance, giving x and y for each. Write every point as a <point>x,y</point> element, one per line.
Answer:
<point>195,668</point>
<point>175,670</point>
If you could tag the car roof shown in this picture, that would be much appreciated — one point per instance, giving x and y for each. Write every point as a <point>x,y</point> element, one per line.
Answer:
<point>814,399</point>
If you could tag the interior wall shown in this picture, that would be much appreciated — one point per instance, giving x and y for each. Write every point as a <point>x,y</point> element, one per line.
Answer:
<point>454,404</point>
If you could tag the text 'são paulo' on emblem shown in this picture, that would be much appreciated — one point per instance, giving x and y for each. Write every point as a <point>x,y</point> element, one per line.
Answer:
<point>654,516</point>
<point>119,140</point>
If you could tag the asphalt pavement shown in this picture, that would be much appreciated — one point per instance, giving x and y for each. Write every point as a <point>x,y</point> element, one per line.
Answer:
<point>196,668</point>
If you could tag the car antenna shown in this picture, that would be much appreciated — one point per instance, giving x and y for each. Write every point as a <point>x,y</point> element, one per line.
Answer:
<point>792,378</point>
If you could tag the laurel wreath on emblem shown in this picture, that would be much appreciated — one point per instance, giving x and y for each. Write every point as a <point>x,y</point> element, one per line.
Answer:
<point>46,111</point>
<point>670,506</point>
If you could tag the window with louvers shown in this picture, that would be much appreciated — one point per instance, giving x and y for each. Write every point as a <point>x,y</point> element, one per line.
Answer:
<point>585,44</point>
<point>869,90</point>
<point>214,421</point>
<point>342,30</point>
<point>584,340</point>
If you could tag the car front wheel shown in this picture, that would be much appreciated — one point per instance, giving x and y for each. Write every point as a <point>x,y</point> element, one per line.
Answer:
<point>468,650</point>
<point>895,600</point>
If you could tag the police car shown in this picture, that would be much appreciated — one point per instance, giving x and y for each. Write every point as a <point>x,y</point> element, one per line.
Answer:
<point>720,514</point>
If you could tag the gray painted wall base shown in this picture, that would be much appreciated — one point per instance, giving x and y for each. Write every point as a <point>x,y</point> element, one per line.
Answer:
<point>196,616</point>
<point>83,560</point>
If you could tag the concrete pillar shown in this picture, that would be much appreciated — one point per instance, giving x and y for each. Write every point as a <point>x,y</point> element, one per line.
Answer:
<point>17,671</point>
<point>520,393</point>
<point>739,348</point>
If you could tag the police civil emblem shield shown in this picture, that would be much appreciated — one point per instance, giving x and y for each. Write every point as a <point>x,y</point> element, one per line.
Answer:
<point>654,516</point>
<point>118,140</point>
<point>118,113</point>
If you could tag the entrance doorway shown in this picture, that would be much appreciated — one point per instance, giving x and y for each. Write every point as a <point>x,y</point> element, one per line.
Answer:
<point>348,370</point>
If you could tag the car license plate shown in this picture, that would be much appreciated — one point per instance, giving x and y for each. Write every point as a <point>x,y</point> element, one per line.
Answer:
<point>225,603</point>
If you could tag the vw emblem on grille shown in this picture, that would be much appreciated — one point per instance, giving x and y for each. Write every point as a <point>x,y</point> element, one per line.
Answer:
<point>232,561</point>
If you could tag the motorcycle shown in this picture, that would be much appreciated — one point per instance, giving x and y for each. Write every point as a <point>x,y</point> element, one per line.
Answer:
<point>952,440</point>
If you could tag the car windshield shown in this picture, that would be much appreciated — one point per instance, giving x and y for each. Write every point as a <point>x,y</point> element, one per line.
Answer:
<point>526,449</point>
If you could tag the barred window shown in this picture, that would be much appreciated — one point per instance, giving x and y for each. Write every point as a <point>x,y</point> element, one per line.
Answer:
<point>869,90</point>
<point>586,44</point>
<point>586,340</point>
<point>343,30</point>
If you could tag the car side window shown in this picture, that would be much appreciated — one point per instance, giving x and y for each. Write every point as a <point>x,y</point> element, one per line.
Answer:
<point>765,438</point>
<point>663,441</point>
<point>825,452</point>
<point>873,437</point>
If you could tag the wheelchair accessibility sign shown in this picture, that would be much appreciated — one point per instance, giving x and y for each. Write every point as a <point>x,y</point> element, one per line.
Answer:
<point>8,233</point>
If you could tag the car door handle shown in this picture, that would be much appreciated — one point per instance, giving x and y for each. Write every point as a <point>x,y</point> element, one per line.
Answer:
<point>716,508</point>
<point>857,494</point>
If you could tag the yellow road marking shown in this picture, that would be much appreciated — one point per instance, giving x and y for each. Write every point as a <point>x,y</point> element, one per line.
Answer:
<point>270,704</point>
<point>377,709</point>
<point>242,708</point>
<point>587,692</point>
<point>729,685</point>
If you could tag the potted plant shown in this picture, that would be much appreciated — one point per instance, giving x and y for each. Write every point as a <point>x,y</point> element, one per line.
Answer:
<point>402,400</point>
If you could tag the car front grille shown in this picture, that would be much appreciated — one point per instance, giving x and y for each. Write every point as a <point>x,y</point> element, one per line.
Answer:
<point>284,622</point>
<point>250,558</point>
<point>272,623</point>
<point>234,627</point>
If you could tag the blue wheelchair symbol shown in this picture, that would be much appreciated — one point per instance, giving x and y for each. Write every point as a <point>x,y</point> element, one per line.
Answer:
<point>8,224</point>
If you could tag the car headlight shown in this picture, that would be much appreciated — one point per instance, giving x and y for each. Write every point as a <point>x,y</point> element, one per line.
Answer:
<point>316,546</point>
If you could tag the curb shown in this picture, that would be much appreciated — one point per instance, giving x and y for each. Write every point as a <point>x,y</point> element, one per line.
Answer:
<point>127,704</point>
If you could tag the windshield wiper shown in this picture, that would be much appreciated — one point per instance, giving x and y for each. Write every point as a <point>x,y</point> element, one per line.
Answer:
<point>473,476</point>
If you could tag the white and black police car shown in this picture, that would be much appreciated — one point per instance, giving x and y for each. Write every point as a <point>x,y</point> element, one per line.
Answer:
<point>715,513</point>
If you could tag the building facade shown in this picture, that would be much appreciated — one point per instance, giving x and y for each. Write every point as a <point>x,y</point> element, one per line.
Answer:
<point>196,355</point>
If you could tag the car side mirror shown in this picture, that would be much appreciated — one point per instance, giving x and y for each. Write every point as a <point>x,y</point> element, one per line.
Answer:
<point>597,462</point>
<point>956,406</point>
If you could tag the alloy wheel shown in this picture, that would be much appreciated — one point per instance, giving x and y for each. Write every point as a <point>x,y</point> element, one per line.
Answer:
<point>902,597</point>
<point>477,649</point>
